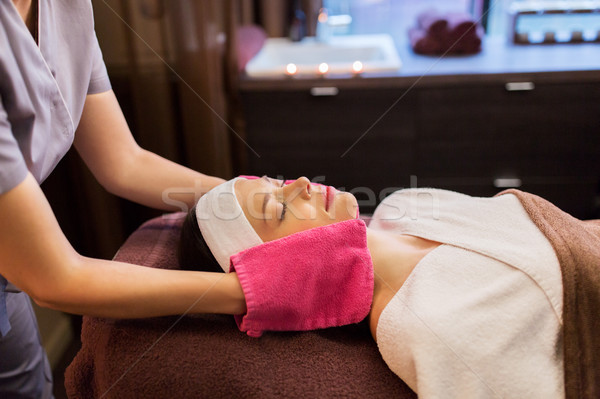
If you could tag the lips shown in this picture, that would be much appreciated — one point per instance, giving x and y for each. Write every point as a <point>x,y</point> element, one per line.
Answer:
<point>329,197</point>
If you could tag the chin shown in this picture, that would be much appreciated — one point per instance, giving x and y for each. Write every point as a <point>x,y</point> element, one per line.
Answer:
<point>347,206</point>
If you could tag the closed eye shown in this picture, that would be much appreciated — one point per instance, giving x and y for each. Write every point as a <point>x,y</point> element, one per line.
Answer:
<point>283,211</point>
<point>279,197</point>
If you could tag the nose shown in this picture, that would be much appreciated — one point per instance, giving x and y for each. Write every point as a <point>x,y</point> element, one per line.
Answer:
<point>301,187</point>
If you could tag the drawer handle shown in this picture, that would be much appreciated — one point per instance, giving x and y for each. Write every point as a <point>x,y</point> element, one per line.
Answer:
<point>519,86</point>
<point>324,91</point>
<point>507,182</point>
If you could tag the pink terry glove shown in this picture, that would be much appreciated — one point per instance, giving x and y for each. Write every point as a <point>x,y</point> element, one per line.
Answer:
<point>318,278</point>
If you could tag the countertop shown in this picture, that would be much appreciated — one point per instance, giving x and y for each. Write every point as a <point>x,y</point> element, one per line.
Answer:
<point>499,61</point>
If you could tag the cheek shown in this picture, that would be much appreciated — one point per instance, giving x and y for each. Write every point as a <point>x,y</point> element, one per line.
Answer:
<point>301,211</point>
<point>269,232</point>
<point>261,229</point>
<point>293,225</point>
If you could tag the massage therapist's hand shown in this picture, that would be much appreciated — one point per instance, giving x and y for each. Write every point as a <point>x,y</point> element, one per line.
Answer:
<point>37,258</point>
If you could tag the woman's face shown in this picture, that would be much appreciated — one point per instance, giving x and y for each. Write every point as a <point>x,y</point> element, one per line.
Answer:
<point>276,210</point>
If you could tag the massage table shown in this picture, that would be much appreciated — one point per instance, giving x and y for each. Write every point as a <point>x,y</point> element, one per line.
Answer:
<point>207,356</point>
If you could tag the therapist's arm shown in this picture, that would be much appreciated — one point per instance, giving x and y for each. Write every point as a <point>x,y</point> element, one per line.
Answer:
<point>36,257</point>
<point>105,143</point>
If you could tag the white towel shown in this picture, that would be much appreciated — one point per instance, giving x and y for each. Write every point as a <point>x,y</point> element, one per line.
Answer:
<point>481,315</point>
<point>223,224</point>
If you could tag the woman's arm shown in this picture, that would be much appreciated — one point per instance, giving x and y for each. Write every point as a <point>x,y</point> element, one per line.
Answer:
<point>105,143</point>
<point>36,257</point>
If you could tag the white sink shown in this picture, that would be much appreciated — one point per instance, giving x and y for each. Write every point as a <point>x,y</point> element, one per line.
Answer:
<point>376,53</point>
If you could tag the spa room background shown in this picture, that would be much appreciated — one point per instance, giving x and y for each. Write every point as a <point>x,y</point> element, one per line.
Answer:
<point>174,68</point>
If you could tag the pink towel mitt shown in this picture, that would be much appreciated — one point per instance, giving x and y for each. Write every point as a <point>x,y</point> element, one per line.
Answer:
<point>318,278</point>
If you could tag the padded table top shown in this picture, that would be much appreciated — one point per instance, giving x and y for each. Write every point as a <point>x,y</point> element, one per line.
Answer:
<point>207,356</point>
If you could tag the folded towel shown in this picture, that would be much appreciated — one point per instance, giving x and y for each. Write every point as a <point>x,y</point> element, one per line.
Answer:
<point>422,43</point>
<point>460,24</point>
<point>450,33</point>
<point>432,22</point>
<point>327,281</point>
<point>577,245</point>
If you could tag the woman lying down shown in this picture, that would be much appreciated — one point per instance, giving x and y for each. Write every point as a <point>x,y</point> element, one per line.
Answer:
<point>463,295</point>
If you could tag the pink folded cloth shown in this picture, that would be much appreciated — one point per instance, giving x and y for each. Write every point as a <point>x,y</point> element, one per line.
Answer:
<point>250,40</point>
<point>317,278</point>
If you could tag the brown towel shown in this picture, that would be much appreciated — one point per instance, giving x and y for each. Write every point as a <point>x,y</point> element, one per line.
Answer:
<point>432,23</point>
<point>577,245</point>
<point>422,43</point>
<point>206,356</point>
<point>449,33</point>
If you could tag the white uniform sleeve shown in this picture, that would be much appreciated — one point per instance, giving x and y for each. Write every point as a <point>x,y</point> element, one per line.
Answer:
<point>99,81</point>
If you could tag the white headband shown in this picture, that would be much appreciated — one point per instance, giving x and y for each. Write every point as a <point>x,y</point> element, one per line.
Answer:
<point>223,224</point>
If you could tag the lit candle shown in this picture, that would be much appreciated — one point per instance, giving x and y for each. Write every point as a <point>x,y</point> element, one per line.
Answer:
<point>322,18</point>
<point>291,69</point>
<point>357,67</point>
<point>323,68</point>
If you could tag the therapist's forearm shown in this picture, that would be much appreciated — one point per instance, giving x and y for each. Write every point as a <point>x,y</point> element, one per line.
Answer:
<point>120,165</point>
<point>119,290</point>
<point>37,257</point>
<point>151,180</point>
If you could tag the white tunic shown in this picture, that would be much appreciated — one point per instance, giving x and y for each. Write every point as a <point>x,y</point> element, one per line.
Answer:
<point>481,315</point>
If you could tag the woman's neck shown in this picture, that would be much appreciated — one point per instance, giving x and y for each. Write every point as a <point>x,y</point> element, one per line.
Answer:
<point>394,258</point>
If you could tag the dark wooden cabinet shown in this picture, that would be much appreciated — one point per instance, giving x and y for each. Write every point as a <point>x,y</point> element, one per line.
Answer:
<point>474,138</point>
<point>478,139</point>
